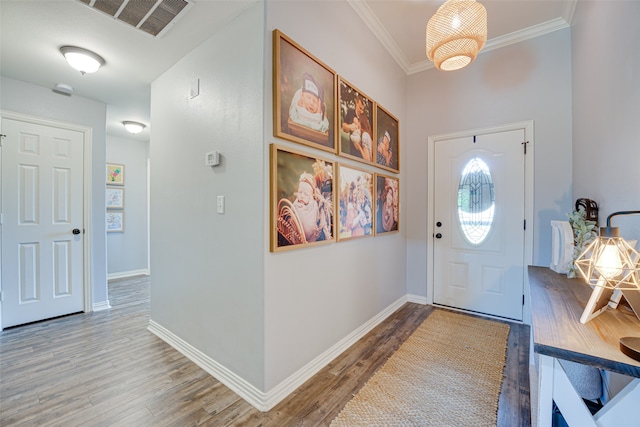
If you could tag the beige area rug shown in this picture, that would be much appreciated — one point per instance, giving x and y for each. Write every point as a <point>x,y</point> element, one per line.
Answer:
<point>447,373</point>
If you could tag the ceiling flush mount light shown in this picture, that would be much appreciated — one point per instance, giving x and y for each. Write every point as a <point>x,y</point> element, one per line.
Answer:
<point>456,33</point>
<point>81,59</point>
<point>133,127</point>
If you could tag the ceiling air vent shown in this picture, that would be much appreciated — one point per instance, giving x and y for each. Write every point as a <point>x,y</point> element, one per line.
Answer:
<point>151,16</point>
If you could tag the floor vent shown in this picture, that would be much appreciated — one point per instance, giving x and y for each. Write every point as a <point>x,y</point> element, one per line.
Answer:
<point>151,16</point>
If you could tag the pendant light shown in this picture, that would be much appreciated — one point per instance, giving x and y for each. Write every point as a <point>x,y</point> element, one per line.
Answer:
<point>456,33</point>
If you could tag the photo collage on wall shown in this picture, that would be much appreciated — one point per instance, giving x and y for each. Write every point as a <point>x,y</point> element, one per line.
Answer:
<point>315,200</point>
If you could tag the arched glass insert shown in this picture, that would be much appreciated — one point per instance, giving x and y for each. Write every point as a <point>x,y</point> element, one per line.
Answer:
<point>476,201</point>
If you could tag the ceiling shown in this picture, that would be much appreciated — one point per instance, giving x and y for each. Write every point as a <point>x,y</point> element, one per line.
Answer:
<point>134,58</point>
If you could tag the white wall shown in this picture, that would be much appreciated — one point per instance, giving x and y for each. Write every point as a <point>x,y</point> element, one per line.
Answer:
<point>207,267</point>
<point>606,109</point>
<point>127,252</point>
<point>530,80</point>
<point>316,296</point>
<point>26,98</point>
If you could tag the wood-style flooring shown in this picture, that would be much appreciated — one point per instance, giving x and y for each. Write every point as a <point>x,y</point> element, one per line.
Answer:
<point>106,369</point>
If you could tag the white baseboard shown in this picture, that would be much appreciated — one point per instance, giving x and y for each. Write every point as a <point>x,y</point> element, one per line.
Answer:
<point>102,305</point>
<point>131,273</point>
<point>258,399</point>
<point>417,299</point>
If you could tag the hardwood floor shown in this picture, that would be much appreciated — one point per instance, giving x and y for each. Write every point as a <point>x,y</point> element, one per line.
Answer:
<point>106,369</point>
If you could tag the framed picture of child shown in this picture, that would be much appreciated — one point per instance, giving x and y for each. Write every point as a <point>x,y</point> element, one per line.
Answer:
<point>302,199</point>
<point>387,151</point>
<point>387,204</point>
<point>355,203</point>
<point>355,123</point>
<point>304,93</point>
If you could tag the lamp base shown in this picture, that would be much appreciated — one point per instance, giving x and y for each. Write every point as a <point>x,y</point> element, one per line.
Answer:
<point>631,347</point>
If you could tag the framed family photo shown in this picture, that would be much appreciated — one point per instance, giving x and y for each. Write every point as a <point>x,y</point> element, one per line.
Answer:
<point>115,222</point>
<point>355,123</point>
<point>115,174</point>
<point>387,154</point>
<point>355,205</point>
<point>387,204</point>
<point>115,198</point>
<point>302,199</point>
<point>304,93</point>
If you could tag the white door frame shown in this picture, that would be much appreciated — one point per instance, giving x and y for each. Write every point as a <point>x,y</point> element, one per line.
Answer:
<point>87,282</point>
<point>528,197</point>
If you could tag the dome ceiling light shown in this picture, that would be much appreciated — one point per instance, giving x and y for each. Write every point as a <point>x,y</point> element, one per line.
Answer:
<point>81,59</point>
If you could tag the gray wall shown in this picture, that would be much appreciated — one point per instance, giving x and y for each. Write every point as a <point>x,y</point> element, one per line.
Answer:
<point>606,109</point>
<point>315,297</point>
<point>26,98</point>
<point>127,253</point>
<point>207,267</point>
<point>530,80</point>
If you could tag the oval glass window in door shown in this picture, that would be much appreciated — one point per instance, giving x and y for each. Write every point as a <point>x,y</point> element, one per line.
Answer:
<point>476,201</point>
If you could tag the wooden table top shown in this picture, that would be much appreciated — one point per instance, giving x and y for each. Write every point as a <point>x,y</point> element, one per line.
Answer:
<point>556,306</point>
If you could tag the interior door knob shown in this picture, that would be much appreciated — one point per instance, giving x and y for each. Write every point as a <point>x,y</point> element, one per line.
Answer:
<point>438,236</point>
<point>76,231</point>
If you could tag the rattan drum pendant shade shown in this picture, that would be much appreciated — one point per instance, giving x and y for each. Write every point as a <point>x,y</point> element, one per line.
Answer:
<point>456,33</point>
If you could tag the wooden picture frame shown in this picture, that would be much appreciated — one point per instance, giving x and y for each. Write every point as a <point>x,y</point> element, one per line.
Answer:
<point>304,94</point>
<point>302,199</point>
<point>114,198</point>
<point>387,154</point>
<point>355,206</point>
<point>115,222</point>
<point>387,218</point>
<point>115,174</point>
<point>355,123</point>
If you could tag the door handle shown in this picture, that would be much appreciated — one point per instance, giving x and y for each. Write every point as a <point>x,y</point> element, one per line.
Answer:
<point>438,236</point>
<point>76,231</point>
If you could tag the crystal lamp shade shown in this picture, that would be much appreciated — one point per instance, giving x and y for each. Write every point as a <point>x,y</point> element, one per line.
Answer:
<point>456,33</point>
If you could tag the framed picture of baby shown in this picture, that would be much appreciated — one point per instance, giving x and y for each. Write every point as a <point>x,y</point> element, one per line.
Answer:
<point>302,199</point>
<point>355,202</point>
<point>387,204</point>
<point>304,93</point>
<point>355,123</point>
<point>387,151</point>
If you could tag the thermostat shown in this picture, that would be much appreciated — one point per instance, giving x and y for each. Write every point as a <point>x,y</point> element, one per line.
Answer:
<point>212,158</point>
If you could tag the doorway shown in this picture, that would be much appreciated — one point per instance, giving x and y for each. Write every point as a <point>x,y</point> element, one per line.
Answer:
<point>480,224</point>
<point>46,209</point>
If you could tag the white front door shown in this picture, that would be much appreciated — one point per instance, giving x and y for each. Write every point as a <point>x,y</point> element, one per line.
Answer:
<point>42,222</point>
<point>479,223</point>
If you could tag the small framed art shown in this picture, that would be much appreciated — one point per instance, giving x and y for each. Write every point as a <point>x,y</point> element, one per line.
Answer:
<point>387,154</point>
<point>115,198</point>
<point>387,204</point>
<point>355,123</point>
<point>355,206</point>
<point>302,199</point>
<point>115,222</point>
<point>115,174</point>
<point>304,93</point>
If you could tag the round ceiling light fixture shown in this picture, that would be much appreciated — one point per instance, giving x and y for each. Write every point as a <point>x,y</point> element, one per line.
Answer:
<point>133,127</point>
<point>81,59</point>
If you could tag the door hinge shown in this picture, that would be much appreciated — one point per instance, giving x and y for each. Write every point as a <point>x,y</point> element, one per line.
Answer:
<point>1,218</point>
<point>525,224</point>
<point>524,145</point>
<point>523,299</point>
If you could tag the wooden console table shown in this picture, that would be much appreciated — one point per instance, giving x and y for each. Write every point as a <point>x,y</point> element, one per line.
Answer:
<point>556,306</point>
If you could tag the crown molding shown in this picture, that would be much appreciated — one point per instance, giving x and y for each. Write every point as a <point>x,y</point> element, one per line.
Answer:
<point>374,24</point>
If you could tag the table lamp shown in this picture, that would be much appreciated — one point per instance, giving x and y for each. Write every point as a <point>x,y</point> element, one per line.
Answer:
<point>611,263</point>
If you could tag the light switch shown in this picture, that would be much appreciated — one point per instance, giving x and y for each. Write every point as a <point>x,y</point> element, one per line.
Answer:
<point>220,205</point>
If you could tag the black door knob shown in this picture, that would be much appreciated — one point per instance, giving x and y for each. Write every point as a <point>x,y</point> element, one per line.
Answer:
<point>76,231</point>
<point>438,236</point>
<point>438,224</point>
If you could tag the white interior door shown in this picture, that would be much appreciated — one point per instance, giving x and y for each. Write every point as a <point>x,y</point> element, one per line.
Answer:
<point>479,223</point>
<point>42,205</point>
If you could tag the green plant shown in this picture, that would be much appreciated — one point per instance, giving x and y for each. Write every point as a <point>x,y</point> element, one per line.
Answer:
<point>583,233</point>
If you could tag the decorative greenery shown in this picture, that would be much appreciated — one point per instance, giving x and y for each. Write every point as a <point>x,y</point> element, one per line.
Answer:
<point>584,232</point>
